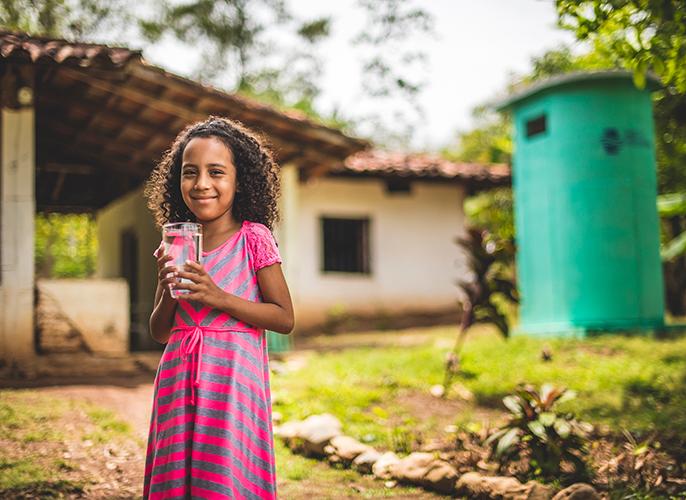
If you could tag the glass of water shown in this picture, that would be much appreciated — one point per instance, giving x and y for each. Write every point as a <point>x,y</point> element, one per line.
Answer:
<point>183,241</point>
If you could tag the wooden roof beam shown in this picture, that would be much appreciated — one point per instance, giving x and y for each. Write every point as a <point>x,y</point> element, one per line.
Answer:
<point>138,96</point>
<point>67,168</point>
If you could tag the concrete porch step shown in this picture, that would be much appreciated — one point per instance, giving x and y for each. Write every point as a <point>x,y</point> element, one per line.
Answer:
<point>89,365</point>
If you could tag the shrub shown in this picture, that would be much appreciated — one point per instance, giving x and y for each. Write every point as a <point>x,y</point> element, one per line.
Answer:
<point>553,442</point>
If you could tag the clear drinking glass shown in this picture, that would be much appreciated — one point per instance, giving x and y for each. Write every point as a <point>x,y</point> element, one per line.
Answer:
<point>183,241</point>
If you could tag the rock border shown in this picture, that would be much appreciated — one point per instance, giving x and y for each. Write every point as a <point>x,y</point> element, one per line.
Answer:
<point>321,437</point>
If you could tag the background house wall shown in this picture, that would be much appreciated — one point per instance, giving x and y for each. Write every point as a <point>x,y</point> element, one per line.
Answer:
<point>77,314</point>
<point>129,214</point>
<point>414,260</point>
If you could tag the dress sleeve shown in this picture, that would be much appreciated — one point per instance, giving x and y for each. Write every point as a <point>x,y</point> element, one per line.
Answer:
<point>262,246</point>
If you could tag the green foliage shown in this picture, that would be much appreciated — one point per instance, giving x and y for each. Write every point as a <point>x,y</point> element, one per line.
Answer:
<point>494,211</point>
<point>489,142</point>
<point>642,34</point>
<point>488,293</point>
<point>672,206</point>
<point>65,245</point>
<point>549,438</point>
<point>490,276</point>
<point>62,18</point>
<point>394,66</point>
<point>231,31</point>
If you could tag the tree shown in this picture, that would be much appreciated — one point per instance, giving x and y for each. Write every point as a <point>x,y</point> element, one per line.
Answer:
<point>393,66</point>
<point>641,34</point>
<point>238,40</point>
<point>77,19</point>
<point>238,51</point>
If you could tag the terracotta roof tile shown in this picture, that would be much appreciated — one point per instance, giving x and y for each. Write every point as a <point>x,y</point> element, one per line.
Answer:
<point>423,165</point>
<point>35,49</point>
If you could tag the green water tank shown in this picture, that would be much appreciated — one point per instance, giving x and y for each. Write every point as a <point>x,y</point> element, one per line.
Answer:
<point>584,184</point>
<point>277,342</point>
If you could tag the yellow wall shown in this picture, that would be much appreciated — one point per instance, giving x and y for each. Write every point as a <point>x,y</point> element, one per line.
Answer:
<point>130,212</point>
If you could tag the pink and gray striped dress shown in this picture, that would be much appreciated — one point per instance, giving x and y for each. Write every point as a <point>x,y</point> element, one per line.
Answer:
<point>211,427</point>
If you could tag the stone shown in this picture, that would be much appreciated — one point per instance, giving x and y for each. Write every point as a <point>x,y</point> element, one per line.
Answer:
<point>539,491</point>
<point>287,430</point>
<point>346,448</point>
<point>437,390</point>
<point>316,431</point>
<point>413,467</point>
<point>441,477</point>
<point>477,486</point>
<point>364,462</point>
<point>463,393</point>
<point>578,491</point>
<point>382,467</point>
<point>426,470</point>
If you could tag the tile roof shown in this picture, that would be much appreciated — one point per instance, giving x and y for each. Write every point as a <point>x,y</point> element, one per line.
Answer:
<point>19,47</point>
<point>105,113</point>
<point>423,166</point>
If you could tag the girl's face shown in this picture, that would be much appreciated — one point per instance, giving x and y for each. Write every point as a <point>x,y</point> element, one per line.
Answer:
<point>208,178</point>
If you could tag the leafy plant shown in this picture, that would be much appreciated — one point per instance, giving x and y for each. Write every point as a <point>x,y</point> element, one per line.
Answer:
<point>66,245</point>
<point>487,293</point>
<point>553,442</point>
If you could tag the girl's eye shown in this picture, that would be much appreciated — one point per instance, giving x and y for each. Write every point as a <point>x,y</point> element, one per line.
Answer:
<point>188,173</point>
<point>216,172</point>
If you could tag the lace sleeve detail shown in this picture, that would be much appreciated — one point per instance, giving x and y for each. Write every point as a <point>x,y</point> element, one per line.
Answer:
<point>263,248</point>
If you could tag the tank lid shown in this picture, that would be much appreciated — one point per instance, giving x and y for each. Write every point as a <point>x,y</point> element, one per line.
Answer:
<point>652,84</point>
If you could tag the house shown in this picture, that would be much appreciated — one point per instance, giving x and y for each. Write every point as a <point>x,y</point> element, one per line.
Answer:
<point>81,128</point>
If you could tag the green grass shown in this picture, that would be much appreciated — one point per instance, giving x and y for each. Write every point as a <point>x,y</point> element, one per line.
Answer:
<point>25,476</point>
<point>30,425</point>
<point>25,417</point>
<point>622,381</point>
<point>107,425</point>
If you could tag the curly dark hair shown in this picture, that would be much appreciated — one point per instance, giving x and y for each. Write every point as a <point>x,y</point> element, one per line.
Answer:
<point>257,177</point>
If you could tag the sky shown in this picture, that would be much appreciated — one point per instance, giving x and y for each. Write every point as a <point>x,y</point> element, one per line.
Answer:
<point>478,45</point>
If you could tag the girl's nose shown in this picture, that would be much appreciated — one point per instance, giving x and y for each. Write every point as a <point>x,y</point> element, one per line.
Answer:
<point>202,181</point>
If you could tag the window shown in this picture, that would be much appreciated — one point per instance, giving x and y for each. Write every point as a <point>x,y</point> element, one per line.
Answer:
<point>345,245</point>
<point>536,126</point>
<point>398,186</point>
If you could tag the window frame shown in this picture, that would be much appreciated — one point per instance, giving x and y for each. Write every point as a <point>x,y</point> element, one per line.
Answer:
<point>366,267</point>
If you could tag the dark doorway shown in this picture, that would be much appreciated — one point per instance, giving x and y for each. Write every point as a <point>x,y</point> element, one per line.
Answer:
<point>129,271</point>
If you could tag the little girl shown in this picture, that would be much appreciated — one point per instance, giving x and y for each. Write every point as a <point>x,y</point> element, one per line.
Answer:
<point>211,428</point>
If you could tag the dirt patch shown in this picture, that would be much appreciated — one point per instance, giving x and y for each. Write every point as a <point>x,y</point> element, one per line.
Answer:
<point>132,404</point>
<point>90,462</point>
<point>423,406</point>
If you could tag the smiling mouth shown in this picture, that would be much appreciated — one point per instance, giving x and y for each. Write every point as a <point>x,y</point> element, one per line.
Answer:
<point>204,199</point>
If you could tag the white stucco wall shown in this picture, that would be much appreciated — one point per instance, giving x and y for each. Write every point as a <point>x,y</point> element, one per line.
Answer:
<point>17,209</point>
<point>98,309</point>
<point>130,212</point>
<point>414,260</point>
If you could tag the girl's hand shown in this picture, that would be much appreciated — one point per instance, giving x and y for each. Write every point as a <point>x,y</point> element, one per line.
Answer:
<point>202,288</point>
<point>166,275</point>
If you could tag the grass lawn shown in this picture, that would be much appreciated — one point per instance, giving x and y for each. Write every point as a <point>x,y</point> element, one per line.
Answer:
<point>378,385</point>
<point>380,393</point>
<point>52,448</point>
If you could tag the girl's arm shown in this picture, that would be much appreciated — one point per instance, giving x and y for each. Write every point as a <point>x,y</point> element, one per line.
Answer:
<point>274,313</point>
<point>162,317</point>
